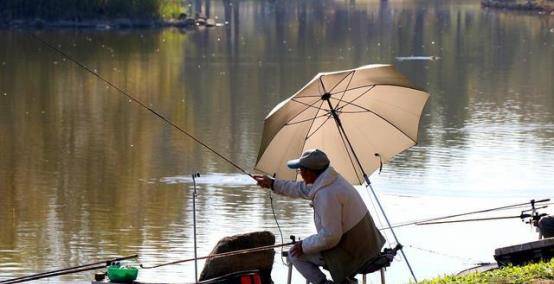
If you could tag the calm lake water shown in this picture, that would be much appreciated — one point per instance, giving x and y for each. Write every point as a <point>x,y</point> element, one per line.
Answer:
<point>86,175</point>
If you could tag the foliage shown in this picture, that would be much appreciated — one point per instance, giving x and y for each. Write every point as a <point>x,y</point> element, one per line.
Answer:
<point>171,9</point>
<point>512,274</point>
<point>88,9</point>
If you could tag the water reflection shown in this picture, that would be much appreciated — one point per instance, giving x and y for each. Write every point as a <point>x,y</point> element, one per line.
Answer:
<point>85,174</point>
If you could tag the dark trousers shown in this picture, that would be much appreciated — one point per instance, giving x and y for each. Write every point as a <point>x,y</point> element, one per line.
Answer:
<point>546,226</point>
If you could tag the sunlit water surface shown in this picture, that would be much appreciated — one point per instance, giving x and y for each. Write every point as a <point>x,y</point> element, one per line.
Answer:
<point>86,175</point>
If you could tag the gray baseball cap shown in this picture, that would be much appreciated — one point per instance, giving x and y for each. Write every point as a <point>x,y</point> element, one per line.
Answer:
<point>313,159</point>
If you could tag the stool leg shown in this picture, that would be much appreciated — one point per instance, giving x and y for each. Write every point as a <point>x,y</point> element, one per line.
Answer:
<point>289,276</point>
<point>382,276</point>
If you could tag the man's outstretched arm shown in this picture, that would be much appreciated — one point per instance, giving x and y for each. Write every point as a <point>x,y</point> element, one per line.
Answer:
<point>293,189</point>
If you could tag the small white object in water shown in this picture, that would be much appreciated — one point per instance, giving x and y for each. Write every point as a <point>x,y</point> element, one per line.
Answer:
<point>214,179</point>
<point>552,30</point>
<point>430,58</point>
<point>5,94</point>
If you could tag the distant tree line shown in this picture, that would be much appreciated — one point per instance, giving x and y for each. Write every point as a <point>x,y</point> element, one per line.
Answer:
<point>77,10</point>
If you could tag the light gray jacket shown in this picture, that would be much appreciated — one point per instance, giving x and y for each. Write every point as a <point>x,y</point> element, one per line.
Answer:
<point>337,208</point>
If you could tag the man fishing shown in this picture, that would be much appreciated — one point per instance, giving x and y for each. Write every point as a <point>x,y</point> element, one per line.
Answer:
<point>346,235</point>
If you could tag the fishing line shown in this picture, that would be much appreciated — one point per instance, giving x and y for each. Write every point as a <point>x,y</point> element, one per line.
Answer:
<point>160,116</point>
<point>218,255</point>
<point>140,103</point>
<point>277,222</point>
<point>80,268</point>
<point>466,259</point>
<point>470,220</point>
<point>506,207</point>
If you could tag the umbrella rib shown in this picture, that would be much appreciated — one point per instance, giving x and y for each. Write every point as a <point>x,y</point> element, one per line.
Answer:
<point>344,93</point>
<point>308,135</point>
<point>373,85</point>
<point>309,128</point>
<point>305,120</point>
<point>386,120</point>
<point>349,73</point>
<point>303,97</point>
<point>355,88</point>
<point>341,100</point>
<point>307,106</point>
<point>321,82</point>
<point>361,111</point>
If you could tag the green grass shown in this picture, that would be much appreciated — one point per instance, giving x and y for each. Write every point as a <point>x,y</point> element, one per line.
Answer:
<point>513,274</point>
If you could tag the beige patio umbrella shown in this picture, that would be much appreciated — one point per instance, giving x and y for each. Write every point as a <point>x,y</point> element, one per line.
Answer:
<point>360,118</point>
<point>378,111</point>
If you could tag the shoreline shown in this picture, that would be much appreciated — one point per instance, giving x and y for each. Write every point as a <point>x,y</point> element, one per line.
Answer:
<point>527,6</point>
<point>119,23</point>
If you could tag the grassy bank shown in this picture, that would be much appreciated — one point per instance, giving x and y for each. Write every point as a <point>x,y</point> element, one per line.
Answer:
<point>85,10</point>
<point>531,273</point>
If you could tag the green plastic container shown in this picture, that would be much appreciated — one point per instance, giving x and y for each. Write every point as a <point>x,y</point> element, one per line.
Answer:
<point>122,274</point>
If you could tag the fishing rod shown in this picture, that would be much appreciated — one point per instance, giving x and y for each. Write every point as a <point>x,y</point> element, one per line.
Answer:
<point>218,255</point>
<point>63,271</point>
<point>140,103</point>
<point>533,217</point>
<point>157,114</point>
<point>505,207</point>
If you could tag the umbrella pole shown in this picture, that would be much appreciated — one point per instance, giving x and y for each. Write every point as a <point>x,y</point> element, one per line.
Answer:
<point>194,176</point>
<point>342,132</point>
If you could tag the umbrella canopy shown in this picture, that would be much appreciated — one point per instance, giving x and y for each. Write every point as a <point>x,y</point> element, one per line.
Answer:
<point>376,106</point>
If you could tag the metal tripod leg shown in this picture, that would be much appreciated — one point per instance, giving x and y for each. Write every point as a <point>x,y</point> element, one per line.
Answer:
<point>289,264</point>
